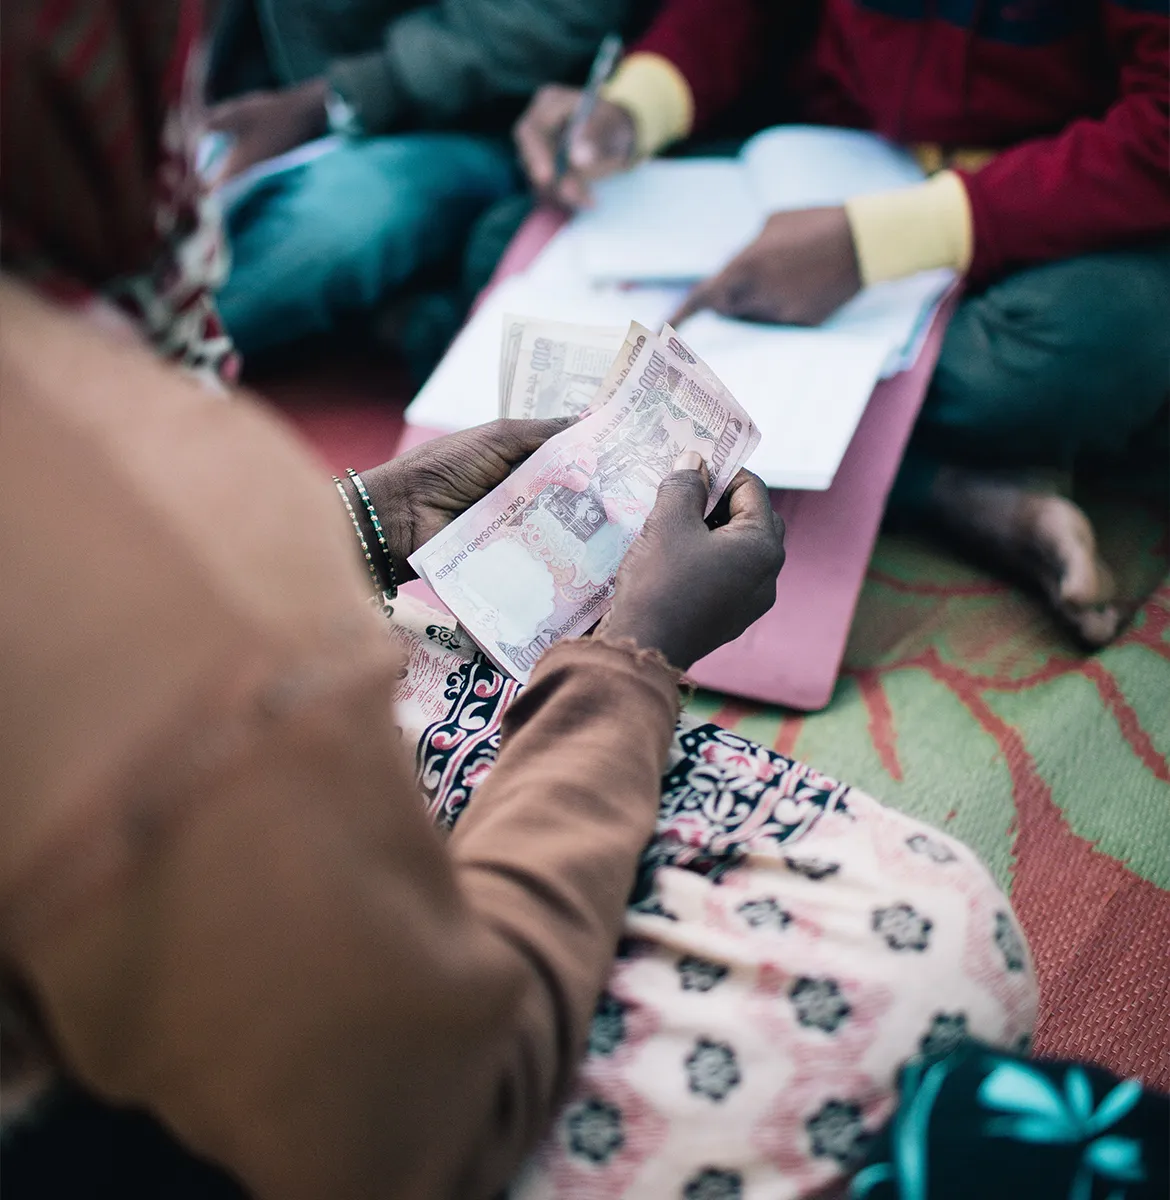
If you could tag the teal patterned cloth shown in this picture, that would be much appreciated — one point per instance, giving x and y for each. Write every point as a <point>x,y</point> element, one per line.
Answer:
<point>979,1123</point>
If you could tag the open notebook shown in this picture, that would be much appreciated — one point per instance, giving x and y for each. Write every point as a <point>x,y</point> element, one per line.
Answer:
<point>680,220</point>
<point>668,223</point>
<point>806,395</point>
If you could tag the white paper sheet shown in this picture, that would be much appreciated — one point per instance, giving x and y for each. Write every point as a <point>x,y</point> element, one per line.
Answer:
<point>806,390</point>
<point>680,219</point>
<point>213,148</point>
<point>809,166</point>
<point>900,310</point>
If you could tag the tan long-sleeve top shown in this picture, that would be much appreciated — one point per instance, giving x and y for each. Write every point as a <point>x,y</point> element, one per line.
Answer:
<point>216,877</point>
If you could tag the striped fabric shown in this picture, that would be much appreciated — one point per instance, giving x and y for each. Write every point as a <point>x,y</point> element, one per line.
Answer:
<point>99,199</point>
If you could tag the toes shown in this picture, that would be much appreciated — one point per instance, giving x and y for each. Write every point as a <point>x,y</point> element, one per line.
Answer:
<point>1095,626</point>
<point>1081,579</point>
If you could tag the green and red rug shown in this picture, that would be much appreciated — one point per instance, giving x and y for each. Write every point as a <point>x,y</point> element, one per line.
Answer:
<point>962,703</point>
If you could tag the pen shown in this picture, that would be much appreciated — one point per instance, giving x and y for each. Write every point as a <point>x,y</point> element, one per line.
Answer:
<point>603,65</point>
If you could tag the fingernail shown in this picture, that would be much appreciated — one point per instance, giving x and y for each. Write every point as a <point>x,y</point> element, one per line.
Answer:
<point>688,460</point>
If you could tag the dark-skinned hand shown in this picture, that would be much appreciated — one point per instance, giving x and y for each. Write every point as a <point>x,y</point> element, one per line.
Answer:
<point>605,146</point>
<point>424,490</point>
<point>265,124</point>
<point>686,585</point>
<point>799,271</point>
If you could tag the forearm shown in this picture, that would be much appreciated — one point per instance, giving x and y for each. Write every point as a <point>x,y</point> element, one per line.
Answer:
<point>1099,184</point>
<point>579,773</point>
<point>443,60</point>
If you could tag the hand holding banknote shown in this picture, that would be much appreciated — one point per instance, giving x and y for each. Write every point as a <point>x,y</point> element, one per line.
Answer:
<point>537,559</point>
<point>685,588</point>
<point>424,490</point>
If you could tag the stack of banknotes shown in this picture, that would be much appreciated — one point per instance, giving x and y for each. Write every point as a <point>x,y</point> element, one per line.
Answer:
<point>535,560</point>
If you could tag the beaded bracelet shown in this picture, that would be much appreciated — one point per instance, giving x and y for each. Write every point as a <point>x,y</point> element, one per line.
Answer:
<point>360,536</point>
<point>391,574</point>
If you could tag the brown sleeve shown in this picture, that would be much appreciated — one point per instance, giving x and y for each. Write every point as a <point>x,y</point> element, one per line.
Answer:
<point>219,883</point>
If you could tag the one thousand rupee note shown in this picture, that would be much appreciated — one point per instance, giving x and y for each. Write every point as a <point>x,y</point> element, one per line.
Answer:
<point>535,560</point>
<point>550,368</point>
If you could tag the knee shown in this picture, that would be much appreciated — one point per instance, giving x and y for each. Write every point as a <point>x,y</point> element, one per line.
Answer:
<point>350,229</point>
<point>1069,354</point>
<point>392,206</point>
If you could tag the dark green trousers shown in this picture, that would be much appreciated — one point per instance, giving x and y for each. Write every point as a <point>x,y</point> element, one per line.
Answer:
<point>1049,367</point>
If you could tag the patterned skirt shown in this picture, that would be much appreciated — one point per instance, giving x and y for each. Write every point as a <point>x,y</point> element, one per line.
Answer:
<point>789,945</point>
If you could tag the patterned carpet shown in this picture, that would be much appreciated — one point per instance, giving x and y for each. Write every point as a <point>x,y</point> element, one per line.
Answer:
<point>962,704</point>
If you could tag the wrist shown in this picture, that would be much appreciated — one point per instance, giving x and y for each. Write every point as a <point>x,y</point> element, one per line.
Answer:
<point>658,99</point>
<point>647,633</point>
<point>392,505</point>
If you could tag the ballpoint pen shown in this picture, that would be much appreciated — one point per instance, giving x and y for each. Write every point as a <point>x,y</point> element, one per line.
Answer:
<point>603,65</point>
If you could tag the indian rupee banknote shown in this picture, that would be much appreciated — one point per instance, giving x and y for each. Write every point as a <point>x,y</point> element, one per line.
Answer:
<point>551,368</point>
<point>535,561</point>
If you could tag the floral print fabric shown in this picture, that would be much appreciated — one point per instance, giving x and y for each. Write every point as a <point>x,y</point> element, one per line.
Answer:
<point>789,945</point>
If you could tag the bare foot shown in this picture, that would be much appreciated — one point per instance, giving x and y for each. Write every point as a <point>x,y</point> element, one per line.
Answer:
<point>1041,537</point>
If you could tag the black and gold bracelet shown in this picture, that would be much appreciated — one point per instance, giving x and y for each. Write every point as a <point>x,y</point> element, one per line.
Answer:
<point>390,574</point>
<point>357,528</point>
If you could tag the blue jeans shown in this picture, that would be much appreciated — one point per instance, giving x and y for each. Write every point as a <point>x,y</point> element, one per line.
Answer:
<point>320,245</point>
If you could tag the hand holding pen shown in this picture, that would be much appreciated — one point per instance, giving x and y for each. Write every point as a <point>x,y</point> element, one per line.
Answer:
<point>570,137</point>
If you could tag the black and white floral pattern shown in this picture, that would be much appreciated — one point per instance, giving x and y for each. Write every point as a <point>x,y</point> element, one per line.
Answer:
<point>836,1131</point>
<point>593,1131</point>
<point>902,927</point>
<point>699,974</point>
<point>449,638</point>
<point>947,1030</point>
<point>933,849</point>
<point>765,913</point>
<point>712,1183</point>
<point>819,1004</point>
<point>456,754</point>
<point>712,1069</point>
<point>1009,942</point>
<point>723,784</point>
<point>815,869</point>
<point>608,1030</point>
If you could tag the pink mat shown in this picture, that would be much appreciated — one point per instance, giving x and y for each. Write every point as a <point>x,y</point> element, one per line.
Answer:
<point>792,655</point>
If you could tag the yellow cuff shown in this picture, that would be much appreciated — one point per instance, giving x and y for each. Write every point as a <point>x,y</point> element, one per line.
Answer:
<point>912,229</point>
<point>657,96</point>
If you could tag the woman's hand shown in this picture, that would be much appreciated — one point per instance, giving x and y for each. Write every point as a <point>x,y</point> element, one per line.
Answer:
<point>604,147</point>
<point>799,271</point>
<point>424,490</point>
<point>685,588</point>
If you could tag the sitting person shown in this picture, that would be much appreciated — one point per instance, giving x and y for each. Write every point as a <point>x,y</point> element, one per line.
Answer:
<point>422,95</point>
<point>1047,128</point>
<point>647,957</point>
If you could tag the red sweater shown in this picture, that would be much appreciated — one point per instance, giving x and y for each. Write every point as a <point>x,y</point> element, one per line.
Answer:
<point>1074,93</point>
